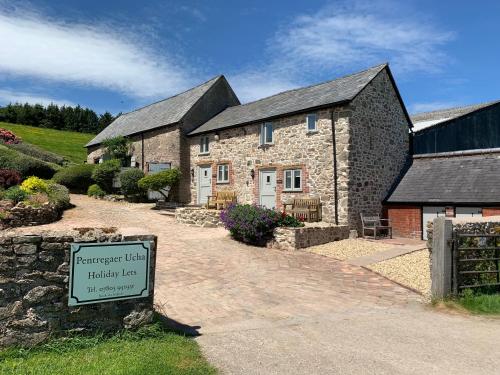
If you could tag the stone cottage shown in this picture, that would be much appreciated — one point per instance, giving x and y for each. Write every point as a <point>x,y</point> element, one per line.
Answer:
<point>158,131</point>
<point>345,141</point>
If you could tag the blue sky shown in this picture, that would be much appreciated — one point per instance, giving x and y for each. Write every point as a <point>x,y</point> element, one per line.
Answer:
<point>119,55</point>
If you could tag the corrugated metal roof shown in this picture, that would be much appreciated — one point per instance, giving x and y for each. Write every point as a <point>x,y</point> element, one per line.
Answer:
<point>164,112</point>
<point>336,91</point>
<point>451,178</point>
<point>425,120</point>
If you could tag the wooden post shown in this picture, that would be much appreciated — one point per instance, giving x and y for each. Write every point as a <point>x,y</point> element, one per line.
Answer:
<point>441,272</point>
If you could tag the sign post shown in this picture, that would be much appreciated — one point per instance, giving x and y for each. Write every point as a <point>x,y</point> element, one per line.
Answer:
<point>108,271</point>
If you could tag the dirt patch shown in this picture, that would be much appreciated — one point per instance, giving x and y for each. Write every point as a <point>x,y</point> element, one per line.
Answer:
<point>348,249</point>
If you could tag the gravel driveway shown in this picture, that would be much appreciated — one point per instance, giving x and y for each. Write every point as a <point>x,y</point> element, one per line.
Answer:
<point>263,311</point>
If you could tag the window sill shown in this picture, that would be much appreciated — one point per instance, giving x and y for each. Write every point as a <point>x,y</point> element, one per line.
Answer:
<point>222,182</point>
<point>292,191</point>
<point>311,132</point>
<point>204,154</point>
<point>266,145</point>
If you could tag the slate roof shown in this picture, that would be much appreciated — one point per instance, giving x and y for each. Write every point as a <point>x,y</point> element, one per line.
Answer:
<point>425,120</point>
<point>165,112</point>
<point>460,178</point>
<point>339,90</point>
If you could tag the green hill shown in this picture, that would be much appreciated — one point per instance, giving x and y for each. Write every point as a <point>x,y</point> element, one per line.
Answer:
<point>65,143</point>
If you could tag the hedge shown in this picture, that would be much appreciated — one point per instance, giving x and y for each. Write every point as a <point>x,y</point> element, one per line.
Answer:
<point>38,153</point>
<point>26,165</point>
<point>129,179</point>
<point>77,178</point>
<point>104,173</point>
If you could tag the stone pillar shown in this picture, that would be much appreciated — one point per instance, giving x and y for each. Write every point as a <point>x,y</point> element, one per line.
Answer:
<point>441,260</point>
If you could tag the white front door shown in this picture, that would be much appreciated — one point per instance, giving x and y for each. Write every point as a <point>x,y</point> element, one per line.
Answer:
<point>204,183</point>
<point>267,188</point>
<point>429,213</point>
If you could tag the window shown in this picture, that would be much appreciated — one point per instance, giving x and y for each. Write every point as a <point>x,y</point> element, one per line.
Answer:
<point>293,180</point>
<point>204,145</point>
<point>311,122</point>
<point>223,173</point>
<point>266,133</point>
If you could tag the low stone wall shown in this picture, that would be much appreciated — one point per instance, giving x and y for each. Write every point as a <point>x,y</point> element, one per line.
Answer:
<point>299,238</point>
<point>34,281</point>
<point>199,217</point>
<point>22,215</point>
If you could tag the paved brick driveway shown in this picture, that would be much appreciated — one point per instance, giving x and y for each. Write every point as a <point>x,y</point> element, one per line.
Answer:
<point>265,311</point>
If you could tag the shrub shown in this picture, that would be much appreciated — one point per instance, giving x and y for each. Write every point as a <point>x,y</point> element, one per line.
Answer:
<point>25,165</point>
<point>7,137</point>
<point>286,220</point>
<point>58,195</point>
<point>9,177</point>
<point>250,223</point>
<point>160,180</point>
<point>129,179</point>
<point>77,178</point>
<point>104,173</point>
<point>117,148</point>
<point>36,200</point>
<point>33,185</point>
<point>95,191</point>
<point>15,194</point>
<point>38,153</point>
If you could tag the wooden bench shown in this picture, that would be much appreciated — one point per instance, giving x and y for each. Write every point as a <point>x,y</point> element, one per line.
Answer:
<point>375,224</point>
<point>306,209</point>
<point>221,199</point>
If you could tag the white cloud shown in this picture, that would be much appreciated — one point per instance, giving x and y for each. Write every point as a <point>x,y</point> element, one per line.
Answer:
<point>254,85</point>
<point>432,106</point>
<point>345,37</point>
<point>97,56</point>
<point>7,96</point>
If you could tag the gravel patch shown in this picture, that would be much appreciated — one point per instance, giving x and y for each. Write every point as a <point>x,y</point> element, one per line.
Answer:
<point>348,249</point>
<point>411,270</point>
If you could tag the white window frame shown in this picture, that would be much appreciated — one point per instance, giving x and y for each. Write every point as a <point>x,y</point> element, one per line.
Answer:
<point>315,122</point>
<point>205,144</point>
<point>292,173</point>
<point>222,169</point>
<point>264,128</point>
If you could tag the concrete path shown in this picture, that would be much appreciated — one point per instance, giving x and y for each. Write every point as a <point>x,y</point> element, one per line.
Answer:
<point>384,255</point>
<point>262,311</point>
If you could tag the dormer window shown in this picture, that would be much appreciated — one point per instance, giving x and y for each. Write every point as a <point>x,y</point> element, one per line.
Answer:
<point>204,144</point>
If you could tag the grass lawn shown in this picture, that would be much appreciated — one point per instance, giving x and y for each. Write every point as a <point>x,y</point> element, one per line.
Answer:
<point>151,351</point>
<point>65,143</point>
<point>483,304</point>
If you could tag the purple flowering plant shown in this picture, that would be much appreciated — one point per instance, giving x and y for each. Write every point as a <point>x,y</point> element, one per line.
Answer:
<point>253,224</point>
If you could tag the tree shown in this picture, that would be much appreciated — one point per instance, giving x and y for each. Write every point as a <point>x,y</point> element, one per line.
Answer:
<point>117,148</point>
<point>161,182</point>
<point>104,120</point>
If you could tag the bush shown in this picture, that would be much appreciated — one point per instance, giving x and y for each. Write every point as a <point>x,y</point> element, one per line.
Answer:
<point>250,223</point>
<point>77,178</point>
<point>25,165</point>
<point>36,200</point>
<point>104,173</point>
<point>117,148</point>
<point>129,179</point>
<point>8,178</point>
<point>7,137</point>
<point>286,220</point>
<point>15,194</point>
<point>38,153</point>
<point>160,180</point>
<point>33,185</point>
<point>58,195</point>
<point>95,191</point>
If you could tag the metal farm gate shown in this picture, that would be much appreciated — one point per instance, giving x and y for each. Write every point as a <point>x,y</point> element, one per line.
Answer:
<point>476,262</point>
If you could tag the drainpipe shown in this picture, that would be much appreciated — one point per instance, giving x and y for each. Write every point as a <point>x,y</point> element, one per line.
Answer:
<point>142,151</point>
<point>335,185</point>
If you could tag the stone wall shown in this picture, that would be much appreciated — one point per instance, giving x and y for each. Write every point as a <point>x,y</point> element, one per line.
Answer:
<point>198,217</point>
<point>294,147</point>
<point>34,278</point>
<point>378,149</point>
<point>23,215</point>
<point>299,238</point>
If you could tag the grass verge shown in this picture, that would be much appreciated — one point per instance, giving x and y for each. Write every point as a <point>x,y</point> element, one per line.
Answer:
<point>61,142</point>
<point>150,350</point>
<point>480,304</point>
